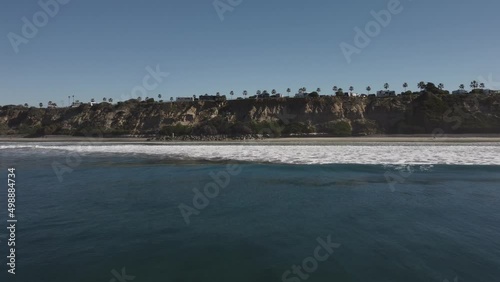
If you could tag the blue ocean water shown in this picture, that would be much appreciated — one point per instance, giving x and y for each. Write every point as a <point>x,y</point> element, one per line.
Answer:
<point>112,216</point>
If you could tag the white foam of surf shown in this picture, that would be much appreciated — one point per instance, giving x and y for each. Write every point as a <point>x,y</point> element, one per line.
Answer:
<point>385,154</point>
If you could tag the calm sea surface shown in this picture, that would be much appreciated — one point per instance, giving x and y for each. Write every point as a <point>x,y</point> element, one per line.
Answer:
<point>143,213</point>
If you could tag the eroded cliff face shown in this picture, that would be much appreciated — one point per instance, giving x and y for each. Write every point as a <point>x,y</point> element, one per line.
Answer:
<point>396,115</point>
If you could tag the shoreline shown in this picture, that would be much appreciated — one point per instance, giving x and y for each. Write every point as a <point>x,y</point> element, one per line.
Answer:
<point>452,138</point>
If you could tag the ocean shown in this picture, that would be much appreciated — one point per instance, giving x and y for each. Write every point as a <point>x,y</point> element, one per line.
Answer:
<point>116,212</point>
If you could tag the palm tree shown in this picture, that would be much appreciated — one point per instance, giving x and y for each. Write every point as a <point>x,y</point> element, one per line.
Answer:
<point>351,89</point>
<point>441,86</point>
<point>318,90</point>
<point>274,92</point>
<point>386,86</point>
<point>41,105</point>
<point>104,99</point>
<point>217,94</point>
<point>340,91</point>
<point>69,100</point>
<point>92,100</point>
<point>288,90</point>
<point>245,93</point>
<point>259,92</point>
<point>231,93</point>
<point>481,85</point>
<point>462,87</point>
<point>139,98</point>
<point>474,85</point>
<point>26,105</point>
<point>159,96</point>
<point>110,100</point>
<point>171,99</point>
<point>73,98</point>
<point>368,89</point>
<point>304,89</point>
<point>405,86</point>
<point>421,85</point>
<point>335,89</point>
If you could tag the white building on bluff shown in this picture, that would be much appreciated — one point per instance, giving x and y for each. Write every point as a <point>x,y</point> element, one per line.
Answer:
<point>302,95</point>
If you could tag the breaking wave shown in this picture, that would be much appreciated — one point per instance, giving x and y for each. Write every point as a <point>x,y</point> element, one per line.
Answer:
<point>378,154</point>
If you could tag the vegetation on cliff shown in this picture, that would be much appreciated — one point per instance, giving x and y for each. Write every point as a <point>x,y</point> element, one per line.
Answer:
<point>331,116</point>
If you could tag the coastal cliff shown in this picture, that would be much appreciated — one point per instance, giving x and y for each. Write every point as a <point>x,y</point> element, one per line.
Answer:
<point>333,116</point>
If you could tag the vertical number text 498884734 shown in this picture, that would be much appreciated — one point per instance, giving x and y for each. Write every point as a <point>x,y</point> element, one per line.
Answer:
<point>11,220</point>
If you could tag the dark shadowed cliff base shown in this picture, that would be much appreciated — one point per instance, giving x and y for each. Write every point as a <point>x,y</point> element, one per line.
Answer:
<point>428,139</point>
<point>425,117</point>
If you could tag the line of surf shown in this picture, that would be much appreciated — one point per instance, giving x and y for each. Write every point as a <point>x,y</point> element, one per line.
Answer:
<point>292,154</point>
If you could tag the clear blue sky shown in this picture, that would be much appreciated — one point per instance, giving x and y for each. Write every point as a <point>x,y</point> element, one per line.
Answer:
<point>100,48</point>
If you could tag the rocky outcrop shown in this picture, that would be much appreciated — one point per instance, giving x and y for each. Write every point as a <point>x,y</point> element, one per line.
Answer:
<point>332,115</point>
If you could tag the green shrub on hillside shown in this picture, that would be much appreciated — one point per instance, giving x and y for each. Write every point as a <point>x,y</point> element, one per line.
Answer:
<point>434,109</point>
<point>271,128</point>
<point>3,129</point>
<point>241,128</point>
<point>364,127</point>
<point>297,128</point>
<point>338,128</point>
